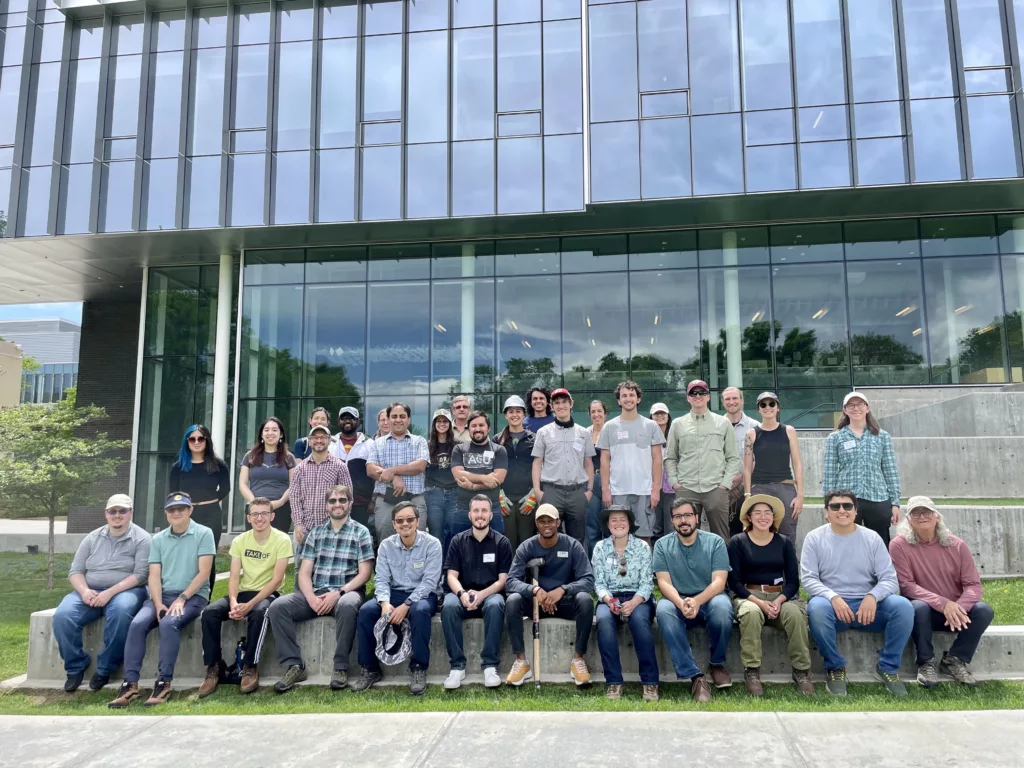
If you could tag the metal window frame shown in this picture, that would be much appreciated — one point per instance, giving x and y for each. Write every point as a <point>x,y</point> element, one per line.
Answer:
<point>962,118</point>
<point>15,206</point>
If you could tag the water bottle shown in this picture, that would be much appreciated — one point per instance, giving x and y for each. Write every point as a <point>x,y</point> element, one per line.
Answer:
<point>240,654</point>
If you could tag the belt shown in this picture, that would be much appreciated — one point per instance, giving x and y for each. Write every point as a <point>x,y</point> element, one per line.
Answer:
<point>573,487</point>
<point>763,587</point>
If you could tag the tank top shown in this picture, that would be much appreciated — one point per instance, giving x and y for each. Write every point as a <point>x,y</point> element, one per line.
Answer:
<point>771,455</point>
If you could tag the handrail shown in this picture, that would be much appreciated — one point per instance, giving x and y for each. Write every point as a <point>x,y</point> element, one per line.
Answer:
<point>804,413</point>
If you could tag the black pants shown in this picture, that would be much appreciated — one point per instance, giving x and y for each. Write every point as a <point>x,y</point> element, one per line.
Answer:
<point>876,515</point>
<point>211,516</point>
<point>928,620</point>
<point>216,614</point>
<point>579,607</point>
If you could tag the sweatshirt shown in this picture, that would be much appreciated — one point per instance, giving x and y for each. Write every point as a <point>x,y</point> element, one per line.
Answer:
<point>851,566</point>
<point>565,565</point>
<point>936,574</point>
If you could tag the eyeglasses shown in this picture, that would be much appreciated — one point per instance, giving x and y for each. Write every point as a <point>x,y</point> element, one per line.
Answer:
<point>846,506</point>
<point>622,565</point>
<point>761,512</point>
<point>261,514</point>
<point>195,439</point>
<point>684,516</point>
<point>699,393</point>
<point>405,521</point>
<point>767,404</point>
<point>921,513</point>
<point>335,500</point>
<point>856,404</point>
<point>117,511</point>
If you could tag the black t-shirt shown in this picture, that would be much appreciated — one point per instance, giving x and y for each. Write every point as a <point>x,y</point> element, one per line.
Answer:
<point>774,564</point>
<point>439,474</point>
<point>479,460</point>
<point>479,562</point>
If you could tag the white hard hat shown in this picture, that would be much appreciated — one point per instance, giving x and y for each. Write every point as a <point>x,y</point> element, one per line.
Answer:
<point>515,401</point>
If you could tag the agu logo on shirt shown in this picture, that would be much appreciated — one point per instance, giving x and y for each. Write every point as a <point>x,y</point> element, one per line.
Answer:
<point>255,554</point>
<point>483,460</point>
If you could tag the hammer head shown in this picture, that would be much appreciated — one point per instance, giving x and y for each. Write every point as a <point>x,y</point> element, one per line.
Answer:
<point>534,565</point>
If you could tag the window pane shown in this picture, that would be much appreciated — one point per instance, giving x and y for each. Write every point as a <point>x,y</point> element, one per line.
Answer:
<point>880,161</point>
<point>462,337</point>
<point>717,155</point>
<point>929,67</point>
<point>462,259</point>
<point>527,257</point>
<point>1013,286</point>
<point>771,168</point>
<point>981,32</point>
<point>269,267</point>
<point>76,198</point>
<point>203,183</point>
<point>207,102</point>
<point>613,62</point>
<point>39,142</point>
<point>714,57</point>
<point>735,348</point>
<point>248,181</point>
<point>383,16</point>
<point>428,14</point>
<point>168,387</point>
<point>594,254</point>
<point>881,239</point>
<point>252,23</point>
<point>10,87</point>
<point>806,242</point>
<point>168,31</point>
<point>472,178</point>
<point>563,173</point>
<point>427,181</point>
<point>519,124</point>
<point>823,124</point>
<point>295,20</point>
<point>399,338</point>
<point>992,137</point>
<point>472,13</point>
<point>766,73</point>
<point>270,345</point>
<point>339,18</point>
<point>958,236</point>
<point>428,87</point>
<point>663,250</point>
<point>336,265</point>
<point>14,46</point>
<point>83,100</point>
<point>878,120</point>
<point>338,93</point>
<point>209,28</point>
<point>520,176</point>
<point>163,117</point>
<point>518,11</point>
<point>519,68</point>
<point>335,191</point>
<point>825,164</point>
<point>615,162</point>
<point>382,177</point>
<point>117,189</point>
<point>561,9</point>
<point>873,50</point>
<point>160,184</point>
<point>769,127</point>
<point>664,104</point>
<point>291,188</point>
<point>399,262</point>
<point>294,95</point>
<point>382,77</point>
<point>665,158</point>
<point>473,83</point>
<point>595,345</point>
<point>563,79</point>
<point>661,33</point>
<point>123,95</point>
<point>250,105</point>
<point>528,353</point>
<point>127,35</point>
<point>334,345</point>
<point>936,142</point>
<point>173,303</point>
<point>729,247</point>
<point>49,42</point>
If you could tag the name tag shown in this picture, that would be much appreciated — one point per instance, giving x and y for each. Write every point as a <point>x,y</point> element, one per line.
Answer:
<point>779,580</point>
<point>623,435</point>
<point>563,554</point>
<point>488,454</point>
<point>612,560</point>
<point>578,446</point>
<point>489,557</point>
<point>419,564</point>
<point>850,445</point>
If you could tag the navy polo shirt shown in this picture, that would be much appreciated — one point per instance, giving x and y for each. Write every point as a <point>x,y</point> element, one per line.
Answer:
<point>478,563</point>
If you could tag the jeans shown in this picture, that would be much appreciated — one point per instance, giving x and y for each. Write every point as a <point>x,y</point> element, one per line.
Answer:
<point>452,615</point>
<point>72,616</point>
<point>580,608</point>
<point>440,504</point>
<point>894,617</point>
<point>419,616</point>
<point>594,530</point>
<point>640,627</point>
<point>213,618</point>
<point>170,636</point>
<point>716,615</point>
<point>927,619</point>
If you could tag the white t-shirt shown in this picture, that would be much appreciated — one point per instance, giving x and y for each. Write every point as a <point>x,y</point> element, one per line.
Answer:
<point>629,446</point>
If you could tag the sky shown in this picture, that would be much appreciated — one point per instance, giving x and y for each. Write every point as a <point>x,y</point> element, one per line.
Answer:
<point>71,310</point>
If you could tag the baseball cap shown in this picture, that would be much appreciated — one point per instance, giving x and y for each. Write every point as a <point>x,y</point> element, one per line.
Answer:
<point>659,408</point>
<point>178,499</point>
<point>767,396</point>
<point>852,395</point>
<point>320,428</point>
<point>515,401</point>
<point>119,500</point>
<point>695,384</point>
<point>915,502</point>
<point>560,391</point>
<point>442,412</point>
<point>547,510</point>
<point>350,411</point>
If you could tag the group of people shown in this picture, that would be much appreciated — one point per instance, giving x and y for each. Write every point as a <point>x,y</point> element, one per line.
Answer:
<point>481,526</point>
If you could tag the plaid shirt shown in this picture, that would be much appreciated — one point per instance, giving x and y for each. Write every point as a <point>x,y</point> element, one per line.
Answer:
<point>309,486</point>
<point>865,465</point>
<point>336,555</point>
<point>388,451</point>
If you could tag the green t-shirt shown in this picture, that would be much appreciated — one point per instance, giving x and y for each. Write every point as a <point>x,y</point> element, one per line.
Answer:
<point>178,556</point>
<point>258,560</point>
<point>690,567</point>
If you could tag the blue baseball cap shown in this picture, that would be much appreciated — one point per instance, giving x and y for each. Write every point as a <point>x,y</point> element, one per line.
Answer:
<point>178,499</point>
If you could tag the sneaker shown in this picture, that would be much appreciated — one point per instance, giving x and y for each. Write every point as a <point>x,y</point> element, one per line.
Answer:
<point>250,680</point>
<point>956,668</point>
<point>161,694</point>
<point>126,694</point>
<point>720,676</point>
<point>454,679</point>
<point>892,681</point>
<point>366,678</point>
<point>339,680</point>
<point>802,678</point>
<point>651,693</point>
<point>491,679</point>
<point>418,683</point>
<point>73,681</point>
<point>519,673</point>
<point>926,675</point>
<point>579,673</point>
<point>296,673</point>
<point>98,680</point>
<point>613,692</point>
<point>700,690</point>
<point>211,681</point>
<point>752,680</point>
<point>835,681</point>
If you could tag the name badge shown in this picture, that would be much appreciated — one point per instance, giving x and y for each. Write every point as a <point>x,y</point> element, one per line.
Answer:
<point>779,580</point>
<point>488,455</point>
<point>578,446</point>
<point>418,565</point>
<point>623,435</point>
<point>563,554</point>
<point>489,557</point>
<point>850,445</point>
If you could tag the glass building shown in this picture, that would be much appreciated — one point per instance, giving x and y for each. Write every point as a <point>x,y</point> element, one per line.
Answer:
<point>335,202</point>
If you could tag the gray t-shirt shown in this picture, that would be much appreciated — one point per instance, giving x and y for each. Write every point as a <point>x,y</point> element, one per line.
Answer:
<point>629,446</point>
<point>268,479</point>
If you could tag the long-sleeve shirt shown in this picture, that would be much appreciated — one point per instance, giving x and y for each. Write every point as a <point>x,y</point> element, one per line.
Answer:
<point>415,569</point>
<point>639,577</point>
<point>702,452</point>
<point>936,574</point>
<point>309,486</point>
<point>565,565</point>
<point>865,465</point>
<point>199,484</point>
<point>105,560</point>
<point>848,565</point>
<point>774,564</point>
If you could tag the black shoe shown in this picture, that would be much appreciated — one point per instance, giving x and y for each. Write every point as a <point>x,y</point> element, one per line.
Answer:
<point>366,678</point>
<point>835,681</point>
<point>339,680</point>
<point>418,682</point>
<point>98,681</point>
<point>296,673</point>
<point>73,681</point>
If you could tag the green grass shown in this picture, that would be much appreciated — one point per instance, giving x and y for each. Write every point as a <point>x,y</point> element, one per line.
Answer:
<point>1007,599</point>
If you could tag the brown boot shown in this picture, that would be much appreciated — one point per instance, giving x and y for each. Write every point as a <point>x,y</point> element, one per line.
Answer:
<point>250,679</point>
<point>802,678</point>
<point>700,690</point>
<point>126,694</point>
<point>161,694</point>
<point>752,679</point>
<point>720,676</point>
<point>211,681</point>
<point>651,693</point>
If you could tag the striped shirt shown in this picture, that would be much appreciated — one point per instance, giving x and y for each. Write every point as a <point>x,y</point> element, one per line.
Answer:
<point>865,465</point>
<point>336,555</point>
<point>389,451</point>
<point>309,486</point>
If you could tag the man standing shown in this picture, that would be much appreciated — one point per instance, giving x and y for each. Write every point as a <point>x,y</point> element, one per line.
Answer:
<point>563,466</point>
<point>478,563</point>
<point>180,561</point>
<point>692,568</point>
<point>259,558</point>
<point>352,447</point>
<point>846,570</point>
<point>310,481</point>
<point>702,459</point>
<point>108,575</point>
<point>565,582</point>
<point>397,462</point>
<point>334,565</point>
<point>631,460</point>
<point>732,401</point>
<point>936,572</point>
<point>461,407</point>
<point>518,444</point>
<point>408,584</point>
<point>479,467</point>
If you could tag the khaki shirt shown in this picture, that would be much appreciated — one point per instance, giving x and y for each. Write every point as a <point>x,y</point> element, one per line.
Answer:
<point>701,452</point>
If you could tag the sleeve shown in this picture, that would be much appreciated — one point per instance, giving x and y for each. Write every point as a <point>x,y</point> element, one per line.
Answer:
<point>504,555</point>
<point>365,545</point>
<point>671,458</point>
<point>970,580</point>
<point>883,567</point>
<point>457,460</point>
<point>539,444</point>
<point>600,575</point>
<point>297,500</point>
<point>345,477</point>
<point>372,456</point>
<point>500,458</point>
<point>422,450</point>
<point>307,550</point>
<point>719,556</point>
<point>830,470</point>
<point>235,550</point>
<point>732,456</point>
<point>155,553</point>
<point>646,574</point>
<point>284,548</point>
<point>207,546</point>
<point>382,578</point>
<point>791,587</point>
<point>223,482</point>
<point>297,447</point>
<point>289,460</point>
<point>736,580</point>
<point>604,440</point>
<point>141,569</point>
<point>583,574</point>
<point>889,470</point>
<point>659,563</point>
<point>431,572</point>
<point>453,562</point>
<point>810,570</point>
<point>81,556</point>
<point>516,574</point>
<point>245,460</point>
<point>657,438</point>
<point>588,444</point>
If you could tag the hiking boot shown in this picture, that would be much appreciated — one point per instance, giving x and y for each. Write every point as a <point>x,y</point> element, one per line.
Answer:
<point>491,679</point>
<point>250,680</point>
<point>613,692</point>
<point>454,679</point>
<point>161,694</point>
<point>339,680</point>
<point>579,673</point>
<point>926,674</point>
<point>296,673</point>
<point>892,681</point>
<point>73,681</point>
<point>720,676</point>
<point>835,681</point>
<point>802,678</point>
<point>651,693</point>
<point>126,694</point>
<point>366,678</point>
<point>752,680</point>
<point>211,681</point>
<point>519,673</point>
<point>956,668</point>
<point>98,680</point>
<point>700,689</point>
<point>418,683</point>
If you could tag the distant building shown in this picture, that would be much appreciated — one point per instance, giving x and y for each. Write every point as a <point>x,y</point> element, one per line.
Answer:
<point>10,374</point>
<point>53,343</point>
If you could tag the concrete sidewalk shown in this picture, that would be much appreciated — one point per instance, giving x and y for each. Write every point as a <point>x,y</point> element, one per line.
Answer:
<point>479,739</point>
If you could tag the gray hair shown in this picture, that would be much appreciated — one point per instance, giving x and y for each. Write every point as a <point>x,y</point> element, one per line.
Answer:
<point>942,532</point>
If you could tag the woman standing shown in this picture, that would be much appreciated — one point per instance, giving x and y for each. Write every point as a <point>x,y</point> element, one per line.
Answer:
<point>201,474</point>
<point>765,582</point>
<point>301,449</point>
<point>266,471</point>
<point>663,514</point>
<point>539,401</point>
<point>441,486</point>
<point>859,456</point>
<point>768,452</point>
<point>595,531</point>
<point>382,423</point>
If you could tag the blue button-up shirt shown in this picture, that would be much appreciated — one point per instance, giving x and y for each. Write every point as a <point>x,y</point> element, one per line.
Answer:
<point>415,569</point>
<point>865,465</point>
<point>388,451</point>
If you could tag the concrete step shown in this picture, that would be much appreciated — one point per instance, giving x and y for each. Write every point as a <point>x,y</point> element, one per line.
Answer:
<point>984,413</point>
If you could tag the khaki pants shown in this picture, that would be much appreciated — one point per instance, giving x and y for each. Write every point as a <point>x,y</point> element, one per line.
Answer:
<point>715,506</point>
<point>792,619</point>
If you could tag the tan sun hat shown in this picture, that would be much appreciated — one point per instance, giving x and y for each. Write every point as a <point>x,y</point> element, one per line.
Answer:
<point>762,498</point>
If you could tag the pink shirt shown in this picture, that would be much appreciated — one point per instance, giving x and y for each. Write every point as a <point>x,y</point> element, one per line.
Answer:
<point>936,574</point>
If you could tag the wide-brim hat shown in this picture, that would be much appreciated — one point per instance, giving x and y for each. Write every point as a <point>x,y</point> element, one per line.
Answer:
<point>607,512</point>
<point>394,641</point>
<point>762,498</point>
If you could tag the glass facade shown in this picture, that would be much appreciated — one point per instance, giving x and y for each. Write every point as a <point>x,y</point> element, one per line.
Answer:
<point>49,383</point>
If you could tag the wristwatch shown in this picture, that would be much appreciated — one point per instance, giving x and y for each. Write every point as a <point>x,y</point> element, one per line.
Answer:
<point>460,593</point>
<point>408,602</point>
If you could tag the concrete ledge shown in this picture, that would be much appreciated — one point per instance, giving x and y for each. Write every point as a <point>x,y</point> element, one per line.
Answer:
<point>63,543</point>
<point>1000,655</point>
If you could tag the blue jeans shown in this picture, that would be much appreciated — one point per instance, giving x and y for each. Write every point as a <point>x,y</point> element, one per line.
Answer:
<point>452,615</point>
<point>72,616</point>
<point>640,628</point>
<point>894,617</point>
<point>419,617</point>
<point>594,531</point>
<point>458,521</point>
<point>440,503</point>
<point>170,636</point>
<point>716,615</point>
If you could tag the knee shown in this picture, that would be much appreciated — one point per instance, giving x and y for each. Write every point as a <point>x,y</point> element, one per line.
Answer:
<point>369,612</point>
<point>584,603</point>
<point>820,609</point>
<point>169,624</point>
<point>982,612</point>
<point>720,609</point>
<point>420,610</point>
<point>494,604</point>
<point>749,615</point>
<point>922,611</point>
<point>899,608</point>
<point>513,603</point>
<point>666,611</point>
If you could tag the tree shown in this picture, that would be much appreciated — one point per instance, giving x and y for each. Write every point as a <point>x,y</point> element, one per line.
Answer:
<point>46,465</point>
<point>28,363</point>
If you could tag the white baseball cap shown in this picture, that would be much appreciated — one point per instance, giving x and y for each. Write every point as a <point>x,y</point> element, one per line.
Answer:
<point>659,408</point>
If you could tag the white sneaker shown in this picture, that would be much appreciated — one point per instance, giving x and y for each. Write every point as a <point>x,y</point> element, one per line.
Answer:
<point>454,679</point>
<point>491,679</point>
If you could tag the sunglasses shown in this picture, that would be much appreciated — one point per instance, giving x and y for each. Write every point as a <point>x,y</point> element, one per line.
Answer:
<point>335,500</point>
<point>199,439</point>
<point>622,565</point>
<point>117,511</point>
<point>921,513</point>
<point>767,404</point>
<point>699,393</point>
<point>405,521</point>
<point>846,506</point>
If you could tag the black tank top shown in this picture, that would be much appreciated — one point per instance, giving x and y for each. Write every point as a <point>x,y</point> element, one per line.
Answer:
<point>771,455</point>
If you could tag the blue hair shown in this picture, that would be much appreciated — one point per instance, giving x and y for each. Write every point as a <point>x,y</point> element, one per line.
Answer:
<point>185,455</point>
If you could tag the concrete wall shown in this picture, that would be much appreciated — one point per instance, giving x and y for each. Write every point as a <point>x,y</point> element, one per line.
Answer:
<point>989,413</point>
<point>886,401</point>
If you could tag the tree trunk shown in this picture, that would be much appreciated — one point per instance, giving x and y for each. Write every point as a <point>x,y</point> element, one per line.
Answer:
<point>49,555</point>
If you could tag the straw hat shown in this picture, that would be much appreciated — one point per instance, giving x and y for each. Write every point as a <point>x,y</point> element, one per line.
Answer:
<point>762,498</point>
